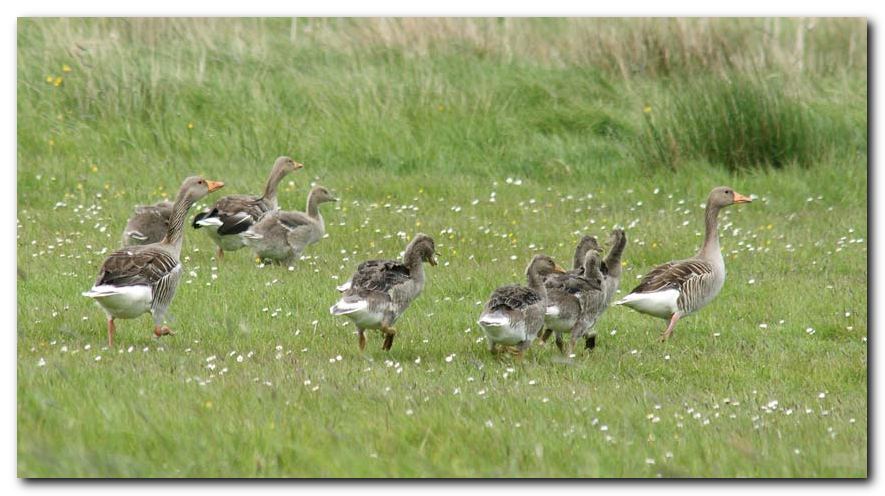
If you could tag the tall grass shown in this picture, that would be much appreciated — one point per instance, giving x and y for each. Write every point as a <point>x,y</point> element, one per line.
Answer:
<point>741,122</point>
<point>449,90</point>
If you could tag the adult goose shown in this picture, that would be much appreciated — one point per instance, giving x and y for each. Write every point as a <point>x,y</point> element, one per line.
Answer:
<point>234,214</point>
<point>141,279</point>
<point>148,224</point>
<point>679,288</point>
<point>381,290</point>
<point>585,244</point>
<point>575,302</point>
<point>514,314</point>
<point>282,236</point>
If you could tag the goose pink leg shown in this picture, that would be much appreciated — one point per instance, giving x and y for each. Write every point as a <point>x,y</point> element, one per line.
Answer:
<point>669,332</point>
<point>112,328</point>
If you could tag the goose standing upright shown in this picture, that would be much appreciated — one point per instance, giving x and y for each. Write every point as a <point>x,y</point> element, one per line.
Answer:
<point>148,224</point>
<point>282,236</point>
<point>381,290</point>
<point>514,315</point>
<point>234,214</point>
<point>679,288</point>
<point>141,279</point>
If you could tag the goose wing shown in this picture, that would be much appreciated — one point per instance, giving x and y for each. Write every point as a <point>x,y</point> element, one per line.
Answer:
<point>379,275</point>
<point>512,298</point>
<point>235,213</point>
<point>136,266</point>
<point>673,275</point>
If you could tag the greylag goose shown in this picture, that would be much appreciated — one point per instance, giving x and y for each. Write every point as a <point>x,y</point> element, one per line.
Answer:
<point>575,302</point>
<point>381,290</point>
<point>679,288</point>
<point>282,236</point>
<point>611,266</point>
<point>234,214</point>
<point>585,244</point>
<point>148,224</point>
<point>140,279</point>
<point>514,314</point>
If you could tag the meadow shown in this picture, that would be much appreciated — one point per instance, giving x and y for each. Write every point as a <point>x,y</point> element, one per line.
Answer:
<point>501,138</point>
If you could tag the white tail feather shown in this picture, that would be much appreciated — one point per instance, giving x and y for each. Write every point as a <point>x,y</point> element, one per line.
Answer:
<point>209,221</point>
<point>346,307</point>
<point>494,320</point>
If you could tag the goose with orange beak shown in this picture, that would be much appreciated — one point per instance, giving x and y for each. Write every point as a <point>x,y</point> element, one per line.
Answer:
<point>675,289</point>
<point>139,279</point>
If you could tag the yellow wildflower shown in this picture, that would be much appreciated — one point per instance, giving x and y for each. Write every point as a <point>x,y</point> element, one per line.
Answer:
<point>66,68</point>
<point>94,168</point>
<point>647,109</point>
<point>190,125</point>
<point>49,79</point>
<point>57,82</point>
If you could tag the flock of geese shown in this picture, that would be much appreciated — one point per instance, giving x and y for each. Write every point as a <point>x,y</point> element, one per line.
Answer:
<point>142,276</point>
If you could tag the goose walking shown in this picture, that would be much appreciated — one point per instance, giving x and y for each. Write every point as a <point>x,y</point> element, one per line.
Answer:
<point>141,279</point>
<point>679,288</point>
<point>148,224</point>
<point>574,303</point>
<point>234,214</point>
<point>514,314</point>
<point>381,290</point>
<point>282,236</point>
<point>585,244</point>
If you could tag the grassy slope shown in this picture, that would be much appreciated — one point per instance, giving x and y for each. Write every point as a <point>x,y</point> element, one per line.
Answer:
<point>390,132</point>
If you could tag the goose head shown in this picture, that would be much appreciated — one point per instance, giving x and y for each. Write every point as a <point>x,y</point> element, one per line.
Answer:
<point>723,196</point>
<point>285,165</point>
<point>542,266</point>
<point>615,236</point>
<point>423,248</point>
<point>195,188</point>
<point>319,194</point>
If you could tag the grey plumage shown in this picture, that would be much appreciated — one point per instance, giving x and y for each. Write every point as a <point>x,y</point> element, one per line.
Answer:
<point>513,315</point>
<point>611,265</point>
<point>575,302</point>
<point>148,224</point>
<point>281,236</point>
<point>139,279</point>
<point>675,289</point>
<point>381,290</point>
<point>232,215</point>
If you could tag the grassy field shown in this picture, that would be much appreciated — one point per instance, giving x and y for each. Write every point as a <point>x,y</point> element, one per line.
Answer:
<point>500,138</point>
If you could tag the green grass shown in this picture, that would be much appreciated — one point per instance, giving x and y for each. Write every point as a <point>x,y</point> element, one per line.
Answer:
<point>742,122</point>
<point>415,129</point>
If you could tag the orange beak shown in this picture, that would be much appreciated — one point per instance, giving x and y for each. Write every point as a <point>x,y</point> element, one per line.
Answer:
<point>739,198</point>
<point>558,269</point>
<point>214,185</point>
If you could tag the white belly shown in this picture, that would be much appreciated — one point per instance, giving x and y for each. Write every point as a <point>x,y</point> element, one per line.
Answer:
<point>499,329</point>
<point>227,242</point>
<point>661,304</point>
<point>125,302</point>
<point>359,313</point>
<point>553,320</point>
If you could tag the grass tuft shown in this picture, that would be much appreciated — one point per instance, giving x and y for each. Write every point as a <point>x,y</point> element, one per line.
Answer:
<point>740,122</point>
